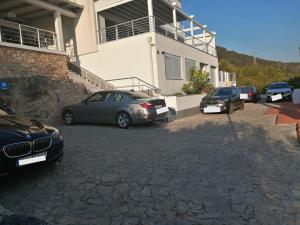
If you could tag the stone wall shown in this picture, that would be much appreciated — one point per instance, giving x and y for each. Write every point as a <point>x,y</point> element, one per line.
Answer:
<point>19,62</point>
<point>39,85</point>
<point>43,98</point>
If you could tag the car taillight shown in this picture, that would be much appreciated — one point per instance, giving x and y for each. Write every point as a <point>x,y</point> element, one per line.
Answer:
<point>147,105</point>
<point>250,94</point>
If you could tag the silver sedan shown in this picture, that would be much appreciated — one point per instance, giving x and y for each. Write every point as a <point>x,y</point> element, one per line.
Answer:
<point>123,108</point>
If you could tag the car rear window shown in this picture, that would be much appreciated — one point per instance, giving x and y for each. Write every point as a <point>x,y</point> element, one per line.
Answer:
<point>138,95</point>
<point>247,89</point>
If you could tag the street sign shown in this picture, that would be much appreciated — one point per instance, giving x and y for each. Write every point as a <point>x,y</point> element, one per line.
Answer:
<point>4,85</point>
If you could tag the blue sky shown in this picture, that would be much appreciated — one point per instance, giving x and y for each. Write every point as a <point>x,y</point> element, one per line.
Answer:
<point>268,28</point>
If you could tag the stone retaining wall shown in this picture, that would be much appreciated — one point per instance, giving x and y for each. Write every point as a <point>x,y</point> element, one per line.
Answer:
<point>20,62</point>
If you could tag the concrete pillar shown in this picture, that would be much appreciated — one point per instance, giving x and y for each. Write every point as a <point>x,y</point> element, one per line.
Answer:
<point>192,24</point>
<point>59,31</point>
<point>204,38</point>
<point>192,29</point>
<point>175,20</point>
<point>150,7</point>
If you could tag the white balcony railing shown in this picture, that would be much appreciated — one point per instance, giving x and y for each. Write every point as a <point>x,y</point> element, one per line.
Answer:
<point>25,35</point>
<point>153,24</point>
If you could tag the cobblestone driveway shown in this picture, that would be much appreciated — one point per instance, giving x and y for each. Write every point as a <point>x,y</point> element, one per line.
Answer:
<point>206,170</point>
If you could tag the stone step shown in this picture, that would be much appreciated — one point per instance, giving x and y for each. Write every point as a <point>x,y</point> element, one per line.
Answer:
<point>76,78</point>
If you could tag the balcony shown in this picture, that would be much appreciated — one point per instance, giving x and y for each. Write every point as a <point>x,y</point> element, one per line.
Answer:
<point>28,36</point>
<point>153,24</point>
<point>160,16</point>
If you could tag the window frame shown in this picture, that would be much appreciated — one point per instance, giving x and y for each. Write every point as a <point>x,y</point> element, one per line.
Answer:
<point>173,76</point>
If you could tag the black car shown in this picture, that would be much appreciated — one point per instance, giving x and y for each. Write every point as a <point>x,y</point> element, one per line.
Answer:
<point>249,94</point>
<point>225,99</point>
<point>25,142</point>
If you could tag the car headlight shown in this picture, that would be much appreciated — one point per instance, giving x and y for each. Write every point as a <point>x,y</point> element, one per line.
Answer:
<point>55,134</point>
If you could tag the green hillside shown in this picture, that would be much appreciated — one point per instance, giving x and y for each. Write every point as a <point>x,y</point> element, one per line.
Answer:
<point>259,72</point>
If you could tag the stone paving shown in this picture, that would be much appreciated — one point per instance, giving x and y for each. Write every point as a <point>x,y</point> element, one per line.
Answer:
<point>201,170</point>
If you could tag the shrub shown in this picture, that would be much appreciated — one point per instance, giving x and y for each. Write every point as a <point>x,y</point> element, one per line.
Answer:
<point>199,80</point>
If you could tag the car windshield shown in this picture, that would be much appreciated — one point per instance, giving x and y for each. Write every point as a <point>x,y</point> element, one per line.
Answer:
<point>3,113</point>
<point>221,92</point>
<point>279,86</point>
<point>138,95</point>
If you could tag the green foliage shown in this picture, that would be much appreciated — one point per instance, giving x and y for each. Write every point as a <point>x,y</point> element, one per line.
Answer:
<point>260,74</point>
<point>227,66</point>
<point>295,82</point>
<point>199,80</point>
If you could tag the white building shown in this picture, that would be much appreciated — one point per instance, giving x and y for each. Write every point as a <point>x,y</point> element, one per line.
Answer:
<point>140,43</point>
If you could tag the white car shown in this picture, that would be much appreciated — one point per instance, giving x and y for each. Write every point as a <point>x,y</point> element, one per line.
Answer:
<point>279,91</point>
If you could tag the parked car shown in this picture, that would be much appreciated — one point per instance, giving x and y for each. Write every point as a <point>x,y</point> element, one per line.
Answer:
<point>249,94</point>
<point>279,91</point>
<point>25,142</point>
<point>123,108</point>
<point>225,99</point>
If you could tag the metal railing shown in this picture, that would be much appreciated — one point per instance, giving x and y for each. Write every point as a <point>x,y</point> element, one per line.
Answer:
<point>153,24</point>
<point>136,84</point>
<point>90,77</point>
<point>25,35</point>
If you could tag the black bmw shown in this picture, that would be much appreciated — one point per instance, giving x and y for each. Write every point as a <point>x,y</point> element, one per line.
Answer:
<point>25,142</point>
<point>224,99</point>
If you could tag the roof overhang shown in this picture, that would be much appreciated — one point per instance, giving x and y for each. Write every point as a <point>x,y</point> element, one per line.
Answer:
<point>23,10</point>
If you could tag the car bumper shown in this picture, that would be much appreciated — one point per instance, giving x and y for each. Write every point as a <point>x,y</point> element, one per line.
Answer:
<point>149,116</point>
<point>54,153</point>
<point>223,108</point>
<point>284,97</point>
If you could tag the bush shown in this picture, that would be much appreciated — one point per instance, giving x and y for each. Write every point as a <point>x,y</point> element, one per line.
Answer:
<point>199,80</point>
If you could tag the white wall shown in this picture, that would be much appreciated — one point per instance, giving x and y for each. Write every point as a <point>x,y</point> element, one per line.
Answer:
<point>85,28</point>
<point>131,57</point>
<point>167,45</point>
<point>184,102</point>
<point>122,58</point>
<point>296,96</point>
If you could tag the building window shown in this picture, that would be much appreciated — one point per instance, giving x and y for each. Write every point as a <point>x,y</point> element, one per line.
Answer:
<point>203,67</point>
<point>189,65</point>
<point>173,67</point>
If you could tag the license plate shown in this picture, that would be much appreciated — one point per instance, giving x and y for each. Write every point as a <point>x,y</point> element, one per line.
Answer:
<point>243,96</point>
<point>32,159</point>
<point>212,109</point>
<point>162,110</point>
<point>276,97</point>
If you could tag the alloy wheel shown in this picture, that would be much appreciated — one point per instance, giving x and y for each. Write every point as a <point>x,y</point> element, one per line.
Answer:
<point>123,120</point>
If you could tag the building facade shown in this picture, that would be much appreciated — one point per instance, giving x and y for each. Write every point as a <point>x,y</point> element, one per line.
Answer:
<point>152,42</point>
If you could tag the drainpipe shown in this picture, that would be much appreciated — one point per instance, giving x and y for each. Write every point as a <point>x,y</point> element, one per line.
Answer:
<point>149,39</point>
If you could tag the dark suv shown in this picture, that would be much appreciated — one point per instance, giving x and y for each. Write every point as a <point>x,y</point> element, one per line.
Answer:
<point>225,99</point>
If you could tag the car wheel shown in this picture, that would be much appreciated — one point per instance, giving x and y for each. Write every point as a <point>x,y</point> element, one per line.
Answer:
<point>123,120</point>
<point>231,108</point>
<point>242,107</point>
<point>69,118</point>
